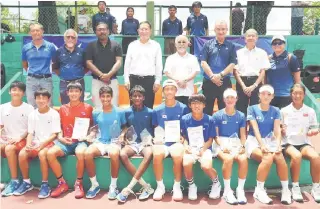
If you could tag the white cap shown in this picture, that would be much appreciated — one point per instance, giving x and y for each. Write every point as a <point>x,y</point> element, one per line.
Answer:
<point>229,92</point>
<point>267,88</point>
<point>169,82</point>
<point>82,8</point>
<point>280,37</point>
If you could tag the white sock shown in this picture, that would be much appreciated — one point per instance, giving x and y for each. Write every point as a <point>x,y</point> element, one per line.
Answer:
<point>260,184</point>
<point>285,184</point>
<point>143,183</point>
<point>160,183</point>
<point>315,185</point>
<point>132,183</point>
<point>176,184</point>
<point>226,184</point>
<point>241,183</point>
<point>27,180</point>
<point>94,181</point>
<point>295,184</point>
<point>113,182</point>
<point>15,180</point>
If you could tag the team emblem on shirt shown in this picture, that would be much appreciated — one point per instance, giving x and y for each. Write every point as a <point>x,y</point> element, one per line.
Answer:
<point>224,122</point>
<point>164,116</point>
<point>305,114</point>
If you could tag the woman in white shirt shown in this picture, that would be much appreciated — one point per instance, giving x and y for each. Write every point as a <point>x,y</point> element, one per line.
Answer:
<point>299,122</point>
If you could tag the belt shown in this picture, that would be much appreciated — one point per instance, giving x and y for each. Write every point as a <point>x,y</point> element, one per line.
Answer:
<point>39,75</point>
<point>141,77</point>
<point>249,77</point>
<point>68,81</point>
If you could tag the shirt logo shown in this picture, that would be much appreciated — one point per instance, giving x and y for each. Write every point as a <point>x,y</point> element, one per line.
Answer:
<point>224,122</point>
<point>236,121</point>
<point>83,113</point>
<point>227,48</point>
<point>164,116</point>
<point>305,114</point>
<point>272,118</point>
<point>259,117</point>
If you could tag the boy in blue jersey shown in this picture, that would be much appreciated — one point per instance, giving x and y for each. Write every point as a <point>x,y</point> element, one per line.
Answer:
<point>167,116</point>
<point>264,145</point>
<point>197,128</point>
<point>109,120</point>
<point>230,122</point>
<point>140,117</point>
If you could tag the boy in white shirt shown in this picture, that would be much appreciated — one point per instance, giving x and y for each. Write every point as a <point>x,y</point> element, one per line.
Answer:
<point>43,128</point>
<point>13,123</point>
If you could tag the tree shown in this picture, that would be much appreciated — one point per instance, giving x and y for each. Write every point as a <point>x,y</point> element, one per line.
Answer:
<point>258,20</point>
<point>310,16</point>
<point>48,17</point>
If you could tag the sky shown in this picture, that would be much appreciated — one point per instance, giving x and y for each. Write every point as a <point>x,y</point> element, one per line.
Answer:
<point>278,19</point>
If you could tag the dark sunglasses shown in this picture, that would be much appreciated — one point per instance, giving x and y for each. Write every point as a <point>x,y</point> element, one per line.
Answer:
<point>277,43</point>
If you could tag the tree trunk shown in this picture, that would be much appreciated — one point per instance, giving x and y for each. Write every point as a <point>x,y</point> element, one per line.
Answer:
<point>48,17</point>
<point>257,15</point>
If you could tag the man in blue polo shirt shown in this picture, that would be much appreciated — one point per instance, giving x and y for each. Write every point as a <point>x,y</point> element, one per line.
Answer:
<point>36,60</point>
<point>284,72</point>
<point>171,27</point>
<point>68,64</point>
<point>218,59</point>
<point>197,23</point>
<point>103,16</point>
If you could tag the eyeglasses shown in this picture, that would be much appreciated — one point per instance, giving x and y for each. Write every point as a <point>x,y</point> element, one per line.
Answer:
<point>277,43</point>
<point>182,42</point>
<point>71,37</point>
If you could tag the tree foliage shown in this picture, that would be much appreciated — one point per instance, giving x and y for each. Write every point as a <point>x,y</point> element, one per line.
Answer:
<point>310,16</point>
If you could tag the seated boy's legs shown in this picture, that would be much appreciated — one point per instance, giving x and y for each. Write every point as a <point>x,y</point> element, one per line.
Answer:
<point>127,152</point>
<point>100,149</point>
<point>24,157</point>
<point>242,161</point>
<point>159,153</point>
<point>60,150</point>
<point>11,152</point>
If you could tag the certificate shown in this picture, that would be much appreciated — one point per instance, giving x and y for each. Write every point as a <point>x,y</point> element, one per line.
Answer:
<point>81,126</point>
<point>195,135</point>
<point>172,131</point>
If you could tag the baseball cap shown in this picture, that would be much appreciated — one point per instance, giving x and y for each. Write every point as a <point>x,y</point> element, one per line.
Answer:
<point>266,88</point>
<point>169,82</point>
<point>82,8</point>
<point>280,37</point>
<point>229,92</point>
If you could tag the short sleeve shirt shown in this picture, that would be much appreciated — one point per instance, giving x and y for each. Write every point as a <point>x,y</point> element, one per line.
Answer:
<point>171,28</point>
<point>197,24</point>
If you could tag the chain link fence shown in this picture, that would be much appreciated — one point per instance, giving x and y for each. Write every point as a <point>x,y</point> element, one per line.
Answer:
<point>266,18</point>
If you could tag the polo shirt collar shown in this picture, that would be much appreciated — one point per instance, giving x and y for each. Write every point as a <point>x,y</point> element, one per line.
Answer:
<point>200,15</point>
<point>66,49</point>
<point>183,55</point>
<point>252,50</point>
<point>297,110</point>
<point>44,43</point>
<point>283,55</point>
<point>108,42</point>
<point>217,43</point>
<point>175,20</point>
<point>148,42</point>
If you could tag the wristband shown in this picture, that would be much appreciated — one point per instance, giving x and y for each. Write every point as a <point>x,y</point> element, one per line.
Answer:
<point>221,75</point>
<point>211,77</point>
<point>255,85</point>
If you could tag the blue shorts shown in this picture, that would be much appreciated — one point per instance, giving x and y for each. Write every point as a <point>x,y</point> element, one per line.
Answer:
<point>70,149</point>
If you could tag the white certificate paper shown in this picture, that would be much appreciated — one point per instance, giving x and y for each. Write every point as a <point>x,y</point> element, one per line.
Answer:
<point>195,135</point>
<point>80,128</point>
<point>172,131</point>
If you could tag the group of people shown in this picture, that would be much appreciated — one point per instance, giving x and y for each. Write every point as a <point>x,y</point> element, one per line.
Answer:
<point>183,126</point>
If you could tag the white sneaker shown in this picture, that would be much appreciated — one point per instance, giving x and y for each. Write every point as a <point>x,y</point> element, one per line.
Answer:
<point>192,194</point>
<point>215,191</point>
<point>177,193</point>
<point>241,197</point>
<point>296,194</point>
<point>315,192</point>
<point>159,193</point>
<point>230,198</point>
<point>286,197</point>
<point>261,196</point>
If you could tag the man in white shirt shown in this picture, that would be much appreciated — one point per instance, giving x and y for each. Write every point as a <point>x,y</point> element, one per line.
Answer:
<point>250,71</point>
<point>84,21</point>
<point>299,122</point>
<point>14,129</point>
<point>43,128</point>
<point>143,65</point>
<point>182,67</point>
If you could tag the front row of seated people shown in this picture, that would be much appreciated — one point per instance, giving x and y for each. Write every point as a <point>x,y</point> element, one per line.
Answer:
<point>185,133</point>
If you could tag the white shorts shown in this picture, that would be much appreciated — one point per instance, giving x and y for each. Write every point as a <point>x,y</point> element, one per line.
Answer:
<point>137,147</point>
<point>207,155</point>
<point>215,149</point>
<point>169,149</point>
<point>251,144</point>
<point>105,148</point>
